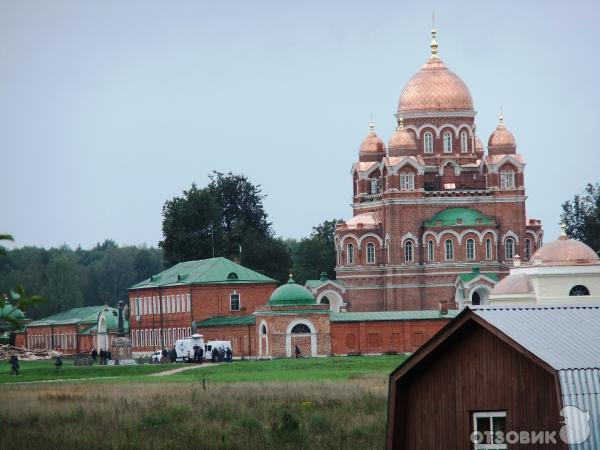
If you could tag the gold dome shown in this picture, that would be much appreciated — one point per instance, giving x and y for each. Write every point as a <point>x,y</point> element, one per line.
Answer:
<point>501,137</point>
<point>372,143</point>
<point>478,145</point>
<point>435,88</point>
<point>402,138</point>
<point>565,252</point>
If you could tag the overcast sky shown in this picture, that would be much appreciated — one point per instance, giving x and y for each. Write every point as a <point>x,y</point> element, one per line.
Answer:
<point>109,108</point>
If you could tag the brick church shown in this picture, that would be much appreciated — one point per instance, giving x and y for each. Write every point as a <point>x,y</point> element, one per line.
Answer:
<point>435,216</point>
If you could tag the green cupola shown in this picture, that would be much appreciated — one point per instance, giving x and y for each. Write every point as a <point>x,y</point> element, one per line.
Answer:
<point>291,294</point>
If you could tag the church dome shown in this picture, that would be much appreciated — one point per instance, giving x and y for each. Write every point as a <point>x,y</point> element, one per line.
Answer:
<point>501,137</point>
<point>514,284</point>
<point>291,294</point>
<point>478,145</point>
<point>372,143</point>
<point>402,139</point>
<point>565,252</point>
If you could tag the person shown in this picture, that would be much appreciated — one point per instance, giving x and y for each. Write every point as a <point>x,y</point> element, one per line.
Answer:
<point>297,352</point>
<point>108,356</point>
<point>173,355</point>
<point>14,365</point>
<point>94,355</point>
<point>228,355</point>
<point>58,365</point>
<point>213,355</point>
<point>200,354</point>
<point>165,355</point>
<point>196,348</point>
<point>101,356</point>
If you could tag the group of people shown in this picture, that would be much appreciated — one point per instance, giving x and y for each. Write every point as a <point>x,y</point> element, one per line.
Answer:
<point>105,356</point>
<point>221,355</point>
<point>168,355</point>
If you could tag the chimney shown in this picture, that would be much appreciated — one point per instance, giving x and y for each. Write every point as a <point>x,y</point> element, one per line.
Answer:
<point>443,307</point>
<point>517,261</point>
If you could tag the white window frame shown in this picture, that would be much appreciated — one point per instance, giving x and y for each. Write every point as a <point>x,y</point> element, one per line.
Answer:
<point>178,303</point>
<point>491,415</point>
<point>188,304</point>
<point>374,186</point>
<point>449,255</point>
<point>488,249</point>
<point>464,142</point>
<point>509,255</point>
<point>239,301</point>
<point>163,302</point>
<point>350,253</point>
<point>173,299</point>
<point>507,179</point>
<point>371,253</point>
<point>470,243</point>
<point>428,142</point>
<point>407,181</point>
<point>409,254</point>
<point>447,138</point>
<point>430,250</point>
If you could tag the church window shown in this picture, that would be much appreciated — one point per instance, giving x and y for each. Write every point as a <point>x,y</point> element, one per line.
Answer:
<point>374,186</point>
<point>527,249</point>
<point>579,290</point>
<point>408,251</point>
<point>509,248</point>
<point>447,142</point>
<point>470,249</point>
<point>370,253</point>
<point>188,305</point>
<point>428,142</point>
<point>488,249</point>
<point>263,330</point>
<point>463,142</point>
<point>449,246</point>
<point>350,254</point>
<point>301,328</point>
<point>234,302</point>
<point>430,251</point>
<point>407,181</point>
<point>507,179</point>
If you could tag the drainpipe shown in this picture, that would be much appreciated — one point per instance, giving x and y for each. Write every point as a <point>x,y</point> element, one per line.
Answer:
<point>51,337</point>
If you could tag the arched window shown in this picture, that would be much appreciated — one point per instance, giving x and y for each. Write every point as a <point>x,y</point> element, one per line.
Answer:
<point>430,251</point>
<point>408,251</point>
<point>447,142</point>
<point>428,142</point>
<point>370,253</point>
<point>579,290</point>
<point>350,254</point>
<point>263,330</point>
<point>507,179</point>
<point>407,181</point>
<point>464,147</point>
<point>527,249</point>
<point>509,248</point>
<point>301,328</point>
<point>449,247</point>
<point>488,249</point>
<point>374,186</point>
<point>470,249</point>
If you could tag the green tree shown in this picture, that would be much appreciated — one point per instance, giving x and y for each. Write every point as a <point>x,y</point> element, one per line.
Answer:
<point>582,216</point>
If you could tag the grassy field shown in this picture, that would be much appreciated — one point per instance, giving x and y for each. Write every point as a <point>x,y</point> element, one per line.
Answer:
<point>310,403</point>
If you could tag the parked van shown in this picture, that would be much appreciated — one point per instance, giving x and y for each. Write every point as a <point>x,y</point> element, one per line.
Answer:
<point>211,345</point>
<point>185,347</point>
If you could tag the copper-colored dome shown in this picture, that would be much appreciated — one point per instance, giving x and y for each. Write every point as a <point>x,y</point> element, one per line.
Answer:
<point>514,284</point>
<point>372,143</point>
<point>501,137</point>
<point>402,139</point>
<point>435,88</point>
<point>478,145</point>
<point>565,252</point>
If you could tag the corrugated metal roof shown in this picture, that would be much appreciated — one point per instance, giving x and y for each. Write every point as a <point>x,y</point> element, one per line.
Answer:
<point>227,321</point>
<point>581,388</point>
<point>87,314</point>
<point>391,315</point>
<point>204,271</point>
<point>565,337</point>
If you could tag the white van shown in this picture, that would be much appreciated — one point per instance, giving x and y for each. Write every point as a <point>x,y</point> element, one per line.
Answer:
<point>185,347</point>
<point>211,345</point>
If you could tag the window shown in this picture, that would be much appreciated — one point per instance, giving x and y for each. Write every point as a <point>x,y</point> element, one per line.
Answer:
<point>428,142</point>
<point>470,249</point>
<point>509,248</point>
<point>489,430</point>
<point>188,303</point>
<point>447,142</point>
<point>449,246</point>
<point>579,290</point>
<point>507,179</point>
<point>407,181</point>
<point>172,303</point>
<point>464,142</point>
<point>350,254</point>
<point>408,251</point>
<point>430,251</point>
<point>301,328</point>
<point>374,186</point>
<point>488,249</point>
<point>527,249</point>
<point>178,303</point>
<point>263,330</point>
<point>234,302</point>
<point>370,253</point>
<point>164,301</point>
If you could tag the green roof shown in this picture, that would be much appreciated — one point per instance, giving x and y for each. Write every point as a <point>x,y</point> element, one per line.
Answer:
<point>392,315</point>
<point>466,277</point>
<point>451,216</point>
<point>291,294</point>
<point>291,312</point>
<point>204,271</point>
<point>87,314</point>
<point>314,284</point>
<point>226,321</point>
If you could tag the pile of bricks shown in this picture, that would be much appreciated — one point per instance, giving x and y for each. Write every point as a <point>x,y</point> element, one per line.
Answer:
<point>6,351</point>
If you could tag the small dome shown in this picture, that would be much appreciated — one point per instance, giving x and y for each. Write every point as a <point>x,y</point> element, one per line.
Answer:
<point>478,145</point>
<point>565,252</point>
<point>402,139</point>
<point>372,143</point>
<point>514,284</point>
<point>291,294</point>
<point>501,137</point>
<point>366,220</point>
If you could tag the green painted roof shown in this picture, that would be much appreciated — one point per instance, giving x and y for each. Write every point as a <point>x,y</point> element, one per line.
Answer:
<point>204,271</point>
<point>291,294</point>
<point>466,277</point>
<point>291,312</point>
<point>468,216</point>
<point>226,321</point>
<point>87,314</point>
<point>391,315</point>
<point>314,284</point>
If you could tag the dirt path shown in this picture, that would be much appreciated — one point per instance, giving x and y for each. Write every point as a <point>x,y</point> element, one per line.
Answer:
<point>182,369</point>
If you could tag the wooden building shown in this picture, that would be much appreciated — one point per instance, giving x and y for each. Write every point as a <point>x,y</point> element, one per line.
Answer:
<point>511,370</point>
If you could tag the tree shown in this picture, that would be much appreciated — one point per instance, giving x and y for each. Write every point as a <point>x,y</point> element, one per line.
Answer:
<point>582,217</point>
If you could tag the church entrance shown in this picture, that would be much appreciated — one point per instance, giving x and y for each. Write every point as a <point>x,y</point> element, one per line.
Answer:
<point>480,296</point>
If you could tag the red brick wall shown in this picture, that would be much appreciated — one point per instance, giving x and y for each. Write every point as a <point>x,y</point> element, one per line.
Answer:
<point>66,340</point>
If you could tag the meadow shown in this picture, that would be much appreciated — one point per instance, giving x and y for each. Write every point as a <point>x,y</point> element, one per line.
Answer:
<point>320,403</point>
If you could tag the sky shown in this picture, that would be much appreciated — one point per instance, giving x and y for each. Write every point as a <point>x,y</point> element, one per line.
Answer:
<point>110,108</point>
